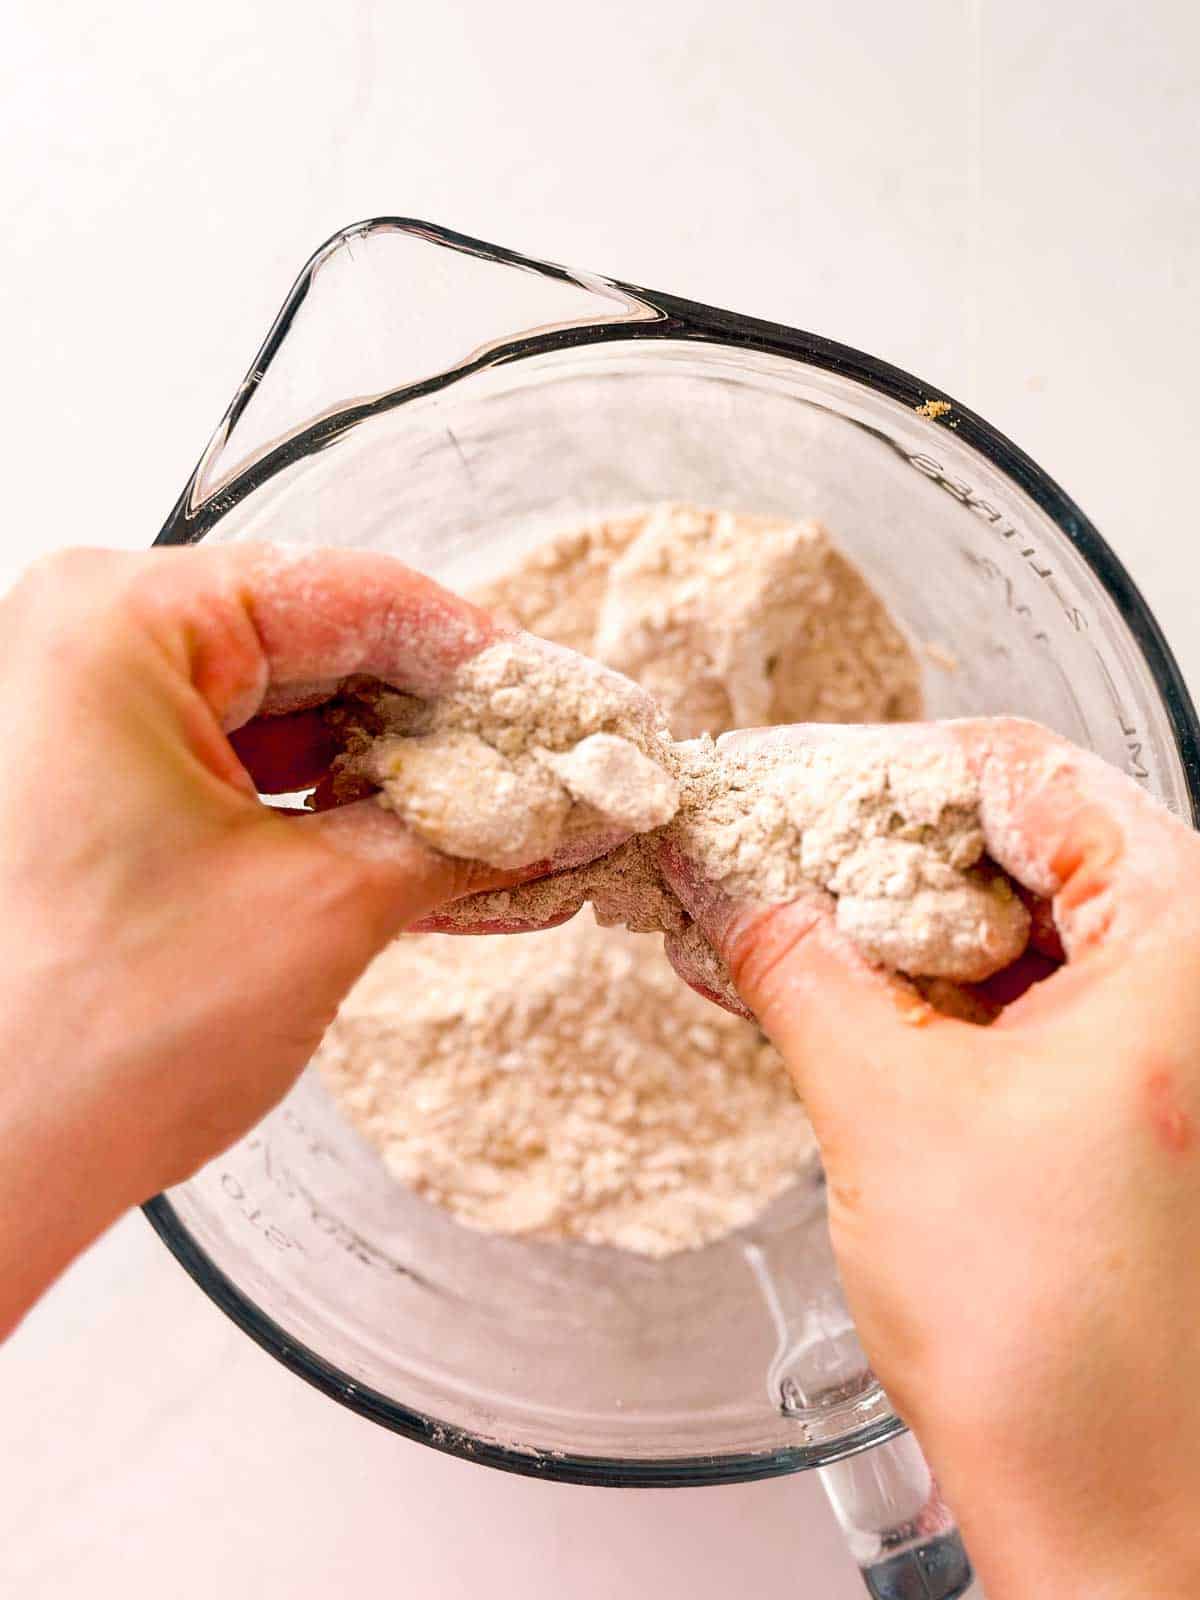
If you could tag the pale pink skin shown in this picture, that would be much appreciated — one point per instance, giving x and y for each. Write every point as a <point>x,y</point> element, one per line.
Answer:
<point>1014,1209</point>
<point>172,949</point>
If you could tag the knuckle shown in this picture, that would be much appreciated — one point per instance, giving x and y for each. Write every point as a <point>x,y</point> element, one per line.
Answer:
<point>761,944</point>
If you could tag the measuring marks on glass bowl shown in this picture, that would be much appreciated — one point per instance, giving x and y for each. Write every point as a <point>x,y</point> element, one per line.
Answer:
<point>266,1175</point>
<point>1039,566</point>
<point>818,1364</point>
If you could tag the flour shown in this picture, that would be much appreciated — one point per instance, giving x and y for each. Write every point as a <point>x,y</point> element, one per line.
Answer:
<point>737,621</point>
<point>891,831</point>
<point>527,747</point>
<point>565,1084</point>
<point>729,621</point>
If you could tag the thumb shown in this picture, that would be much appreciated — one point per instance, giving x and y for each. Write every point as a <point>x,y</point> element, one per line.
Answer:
<point>392,877</point>
<point>852,1035</point>
<point>1071,828</point>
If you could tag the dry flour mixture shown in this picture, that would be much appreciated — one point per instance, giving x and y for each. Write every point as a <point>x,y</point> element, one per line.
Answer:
<point>565,1084</point>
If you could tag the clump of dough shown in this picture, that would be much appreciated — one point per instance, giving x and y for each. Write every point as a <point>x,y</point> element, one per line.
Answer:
<point>610,774</point>
<point>531,748</point>
<point>566,1084</point>
<point>535,751</point>
<point>467,799</point>
<point>964,926</point>
<point>891,831</point>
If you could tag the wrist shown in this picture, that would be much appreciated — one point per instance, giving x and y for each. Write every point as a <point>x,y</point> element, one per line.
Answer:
<point>61,1183</point>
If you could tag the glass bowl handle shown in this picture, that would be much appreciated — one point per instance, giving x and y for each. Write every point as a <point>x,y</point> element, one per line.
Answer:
<point>899,1529</point>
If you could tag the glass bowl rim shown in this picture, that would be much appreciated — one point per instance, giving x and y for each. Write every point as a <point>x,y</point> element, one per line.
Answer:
<point>673,319</point>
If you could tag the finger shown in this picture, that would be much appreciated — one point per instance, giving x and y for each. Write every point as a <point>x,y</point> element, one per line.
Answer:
<point>1072,829</point>
<point>841,1024</point>
<point>866,1052</point>
<point>326,615</point>
<point>701,968</point>
<point>264,627</point>
<point>403,878</point>
<point>444,921</point>
<point>285,754</point>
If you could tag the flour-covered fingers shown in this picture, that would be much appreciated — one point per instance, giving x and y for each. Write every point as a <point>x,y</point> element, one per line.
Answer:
<point>405,879</point>
<point>1076,832</point>
<point>851,1034</point>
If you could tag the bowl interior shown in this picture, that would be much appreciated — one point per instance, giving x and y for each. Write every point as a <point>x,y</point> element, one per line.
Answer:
<point>739,1359</point>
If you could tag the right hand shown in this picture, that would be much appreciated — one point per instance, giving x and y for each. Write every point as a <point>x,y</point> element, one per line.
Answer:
<point>1015,1210</point>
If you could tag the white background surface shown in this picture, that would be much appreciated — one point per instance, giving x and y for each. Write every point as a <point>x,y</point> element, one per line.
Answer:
<point>1000,197</point>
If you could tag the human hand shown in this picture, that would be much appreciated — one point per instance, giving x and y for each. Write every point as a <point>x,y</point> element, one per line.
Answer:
<point>172,949</point>
<point>1015,1209</point>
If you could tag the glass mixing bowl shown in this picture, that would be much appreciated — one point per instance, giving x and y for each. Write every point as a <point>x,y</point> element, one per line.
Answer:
<point>453,403</point>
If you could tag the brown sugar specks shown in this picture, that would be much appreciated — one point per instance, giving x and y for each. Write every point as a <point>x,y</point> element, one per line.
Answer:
<point>945,660</point>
